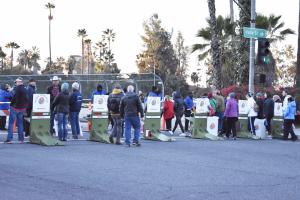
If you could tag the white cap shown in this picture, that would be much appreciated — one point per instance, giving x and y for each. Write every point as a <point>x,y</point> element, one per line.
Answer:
<point>75,86</point>
<point>55,78</point>
<point>19,79</point>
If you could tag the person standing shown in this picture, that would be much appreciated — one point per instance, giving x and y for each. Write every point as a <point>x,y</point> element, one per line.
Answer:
<point>54,89</point>
<point>113,105</point>
<point>289,117</point>
<point>252,113</point>
<point>168,112</point>
<point>220,108</point>
<point>260,104</point>
<point>18,105</point>
<point>130,109</point>
<point>62,108</point>
<point>188,108</point>
<point>231,113</point>
<point>31,90</point>
<point>213,105</point>
<point>5,96</point>
<point>178,109</point>
<point>75,107</point>
<point>99,91</point>
<point>268,112</point>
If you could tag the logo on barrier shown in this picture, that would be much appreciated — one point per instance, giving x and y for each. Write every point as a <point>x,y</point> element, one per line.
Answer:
<point>212,126</point>
<point>41,103</point>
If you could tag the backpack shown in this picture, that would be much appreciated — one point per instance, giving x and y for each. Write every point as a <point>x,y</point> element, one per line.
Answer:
<point>114,104</point>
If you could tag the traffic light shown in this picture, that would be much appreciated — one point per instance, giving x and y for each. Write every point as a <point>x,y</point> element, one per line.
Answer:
<point>263,51</point>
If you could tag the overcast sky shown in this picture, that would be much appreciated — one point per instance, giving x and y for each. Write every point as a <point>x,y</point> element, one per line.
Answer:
<point>26,23</point>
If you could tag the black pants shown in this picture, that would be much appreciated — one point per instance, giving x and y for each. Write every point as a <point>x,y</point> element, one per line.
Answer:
<point>187,113</point>
<point>178,121</point>
<point>169,124</point>
<point>2,122</point>
<point>288,128</point>
<point>268,124</point>
<point>231,126</point>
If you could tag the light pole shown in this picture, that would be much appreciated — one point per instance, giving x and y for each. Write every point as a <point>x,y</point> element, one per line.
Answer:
<point>252,49</point>
<point>50,6</point>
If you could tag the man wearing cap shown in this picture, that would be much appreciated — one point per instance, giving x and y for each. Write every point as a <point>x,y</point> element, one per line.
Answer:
<point>54,89</point>
<point>75,107</point>
<point>18,105</point>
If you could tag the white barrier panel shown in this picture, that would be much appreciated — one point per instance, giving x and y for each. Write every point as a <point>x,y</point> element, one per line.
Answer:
<point>212,125</point>
<point>260,128</point>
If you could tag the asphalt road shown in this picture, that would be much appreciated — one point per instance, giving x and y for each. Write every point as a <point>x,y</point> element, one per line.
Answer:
<point>184,169</point>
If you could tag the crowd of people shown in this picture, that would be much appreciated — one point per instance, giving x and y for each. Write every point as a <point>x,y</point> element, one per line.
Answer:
<point>126,110</point>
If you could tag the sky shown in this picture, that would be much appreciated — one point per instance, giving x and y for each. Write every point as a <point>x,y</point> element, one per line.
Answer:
<point>26,22</point>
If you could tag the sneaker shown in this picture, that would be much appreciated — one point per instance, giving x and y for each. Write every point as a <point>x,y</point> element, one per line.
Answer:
<point>170,132</point>
<point>21,141</point>
<point>188,135</point>
<point>75,137</point>
<point>111,139</point>
<point>182,134</point>
<point>8,142</point>
<point>234,138</point>
<point>269,137</point>
<point>127,145</point>
<point>136,144</point>
<point>294,138</point>
<point>64,140</point>
<point>118,143</point>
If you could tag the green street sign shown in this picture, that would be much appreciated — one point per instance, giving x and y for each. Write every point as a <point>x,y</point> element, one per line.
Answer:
<point>254,32</point>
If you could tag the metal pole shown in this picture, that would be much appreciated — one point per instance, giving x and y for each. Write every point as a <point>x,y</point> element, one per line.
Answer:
<point>154,75</point>
<point>252,49</point>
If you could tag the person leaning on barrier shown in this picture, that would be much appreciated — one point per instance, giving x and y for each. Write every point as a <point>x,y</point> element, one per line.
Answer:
<point>289,118</point>
<point>18,105</point>
<point>61,107</point>
<point>54,89</point>
<point>231,114</point>
<point>99,91</point>
<point>130,109</point>
<point>113,105</point>
<point>168,113</point>
<point>220,108</point>
<point>188,107</point>
<point>75,107</point>
<point>5,96</point>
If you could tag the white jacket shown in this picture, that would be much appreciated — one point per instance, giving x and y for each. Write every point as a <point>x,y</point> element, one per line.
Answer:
<point>250,103</point>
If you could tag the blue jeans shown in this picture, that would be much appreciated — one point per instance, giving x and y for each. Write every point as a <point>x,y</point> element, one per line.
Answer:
<point>74,120</point>
<point>136,124</point>
<point>251,127</point>
<point>220,121</point>
<point>52,116</point>
<point>62,126</point>
<point>12,117</point>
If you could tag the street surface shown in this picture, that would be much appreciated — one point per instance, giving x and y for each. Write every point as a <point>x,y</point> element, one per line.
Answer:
<point>184,169</point>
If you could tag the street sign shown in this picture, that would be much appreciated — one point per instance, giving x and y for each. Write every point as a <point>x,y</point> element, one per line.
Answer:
<point>254,32</point>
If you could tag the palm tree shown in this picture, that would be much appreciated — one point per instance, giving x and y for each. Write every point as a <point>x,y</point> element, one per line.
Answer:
<point>298,53</point>
<point>12,46</point>
<point>2,56</point>
<point>24,58</point>
<point>50,6</point>
<point>273,25</point>
<point>216,52</point>
<point>109,35</point>
<point>82,33</point>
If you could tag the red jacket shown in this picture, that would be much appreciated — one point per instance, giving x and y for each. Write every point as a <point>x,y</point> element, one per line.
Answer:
<point>168,110</point>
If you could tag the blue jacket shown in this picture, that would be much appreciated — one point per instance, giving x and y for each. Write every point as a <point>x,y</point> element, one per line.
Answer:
<point>290,112</point>
<point>75,101</point>
<point>101,92</point>
<point>152,94</point>
<point>188,103</point>
<point>5,96</point>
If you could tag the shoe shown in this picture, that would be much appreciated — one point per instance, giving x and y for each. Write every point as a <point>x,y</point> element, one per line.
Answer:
<point>8,142</point>
<point>136,144</point>
<point>111,139</point>
<point>269,137</point>
<point>170,132</point>
<point>64,140</point>
<point>234,138</point>
<point>188,134</point>
<point>294,138</point>
<point>118,143</point>
<point>75,137</point>
<point>128,145</point>
<point>182,134</point>
<point>21,141</point>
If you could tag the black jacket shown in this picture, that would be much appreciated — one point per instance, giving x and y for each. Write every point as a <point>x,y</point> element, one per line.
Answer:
<point>20,98</point>
<point>269,107</point>
<point>178,104</point>
<point>50,91</point>
<point>131,105</point>
<point>114,101</point>
<point>75,101</point>
<point>61,103</point>
<point>260,113</point>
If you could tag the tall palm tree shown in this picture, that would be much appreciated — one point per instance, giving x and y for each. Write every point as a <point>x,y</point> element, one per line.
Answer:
<point>82,33</point>
<point>50,6</point>
<point>216,52</point>
<point>109,35</point>
<point>12,46</point>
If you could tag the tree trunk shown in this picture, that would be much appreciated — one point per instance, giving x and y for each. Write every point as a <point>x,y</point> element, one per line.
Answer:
<point>231,11</point>
<point>298,54</point>
<point>216,51</point>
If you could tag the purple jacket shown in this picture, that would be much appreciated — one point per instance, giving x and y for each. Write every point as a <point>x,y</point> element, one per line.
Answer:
<point>231,108</point>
